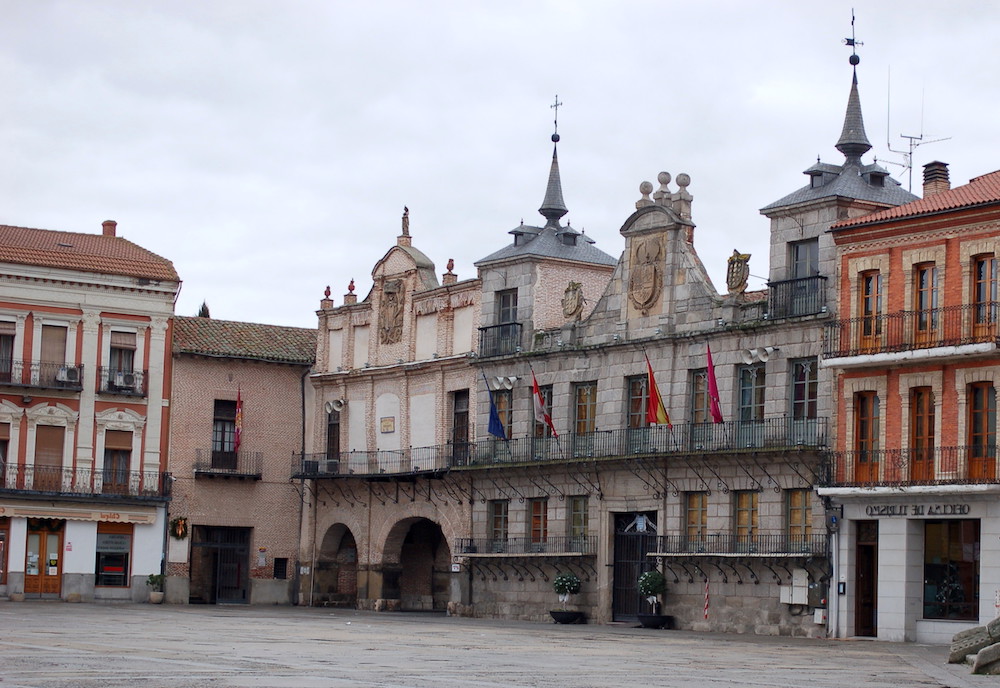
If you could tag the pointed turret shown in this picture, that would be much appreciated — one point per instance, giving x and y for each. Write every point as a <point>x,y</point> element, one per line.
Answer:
<point>853,141</point>
<point>553,206</point>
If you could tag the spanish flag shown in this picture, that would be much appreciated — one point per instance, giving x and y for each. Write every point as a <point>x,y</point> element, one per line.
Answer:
<point>656,412</point>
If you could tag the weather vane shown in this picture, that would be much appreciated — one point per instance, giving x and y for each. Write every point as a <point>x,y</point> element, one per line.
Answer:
<point>555,122</point>
<point>853,43</point>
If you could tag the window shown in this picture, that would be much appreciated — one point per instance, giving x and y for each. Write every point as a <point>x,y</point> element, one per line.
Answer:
<point>539,513</point>
<point>506,306</point>
<point>866,432</point>
<point>870,308</point>
<point>333,438</point>
<point>4,441</point>
<point>752,387</point>
<point>498,523</point>
<point>48,457</point>
<point>280,568</point>
<point>7,332</point>
<point>586,407</point>
<point>53,352</point>
<point>951,569</point>
<point>637,401</point>
<point>504,400</point>
<point>578,519</point>
<point>805,258</point>
<point>696,518</point>
<point>4,537</point>
<point>117,461</point>
<point>925,299</point>
<point>543,429</point>
<point>122,354</point>
<point>746,517</point>
<point>798,518</point>
<point>114,545</point>
<point>921,433</point>
<point>224,434</point>
<point>805,388</point>
<point>982,402</point>
<point>984,292</point>
<point>699,397</point>
<point>460,425</point>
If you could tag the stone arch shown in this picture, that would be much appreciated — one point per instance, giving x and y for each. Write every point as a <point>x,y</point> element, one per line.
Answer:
<point>335,582</point>
<point>416,565</point>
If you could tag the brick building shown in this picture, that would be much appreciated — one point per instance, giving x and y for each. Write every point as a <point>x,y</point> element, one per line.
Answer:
<point>917,368</point>
<point>84,413</point>
<point>240,391</point>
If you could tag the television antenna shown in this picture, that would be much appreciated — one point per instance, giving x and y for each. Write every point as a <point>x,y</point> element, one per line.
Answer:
<point>912,141</point>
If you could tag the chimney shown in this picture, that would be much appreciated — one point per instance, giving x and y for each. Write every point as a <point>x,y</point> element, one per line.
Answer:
<point>936,178</point>
<point>109,227</point>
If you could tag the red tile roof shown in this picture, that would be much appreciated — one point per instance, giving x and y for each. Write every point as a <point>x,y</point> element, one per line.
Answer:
<point>109,255</point>
<point>982,190</point>
<point>230,339</point>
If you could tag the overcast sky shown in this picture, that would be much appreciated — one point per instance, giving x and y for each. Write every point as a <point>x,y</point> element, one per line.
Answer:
<point>268,148</point>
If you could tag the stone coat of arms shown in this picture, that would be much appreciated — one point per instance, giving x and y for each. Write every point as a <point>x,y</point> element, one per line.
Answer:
<point>646,274</point>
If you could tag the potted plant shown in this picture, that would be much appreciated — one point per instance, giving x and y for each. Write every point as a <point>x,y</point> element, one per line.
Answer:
<point>651,585</point>
<point>155,582</point>
<point>566,584</point>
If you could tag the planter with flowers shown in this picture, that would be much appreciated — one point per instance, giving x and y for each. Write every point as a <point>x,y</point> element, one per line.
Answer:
<point>566,585</point>
<point>651,585</point>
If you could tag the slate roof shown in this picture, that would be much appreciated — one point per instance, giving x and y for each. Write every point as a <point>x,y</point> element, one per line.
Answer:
<point>230,339</point>
<point>982,190</point>
<point>99,253</point>
<point>547,244</point>
<point>848,184</point>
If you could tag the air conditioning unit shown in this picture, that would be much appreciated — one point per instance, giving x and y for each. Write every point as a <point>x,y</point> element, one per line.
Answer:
<point>119,379</point>
<point>72,374</point>
<point>62,375</point>
<point>128,380</point>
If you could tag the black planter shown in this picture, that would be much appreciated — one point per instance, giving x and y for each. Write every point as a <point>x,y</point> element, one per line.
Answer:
<point>566,617</point>
<point>655,620</point>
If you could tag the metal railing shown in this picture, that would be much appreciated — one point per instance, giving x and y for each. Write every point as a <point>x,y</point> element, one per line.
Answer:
<point>499,340</point>
<point>759,544</point>
<point>903,467</point>
<point>114,381</point>
<point>95,482</point>
<point>684,438</point>
<point>909,330</point>
<point>794,297</point>
<point>39,374</point>
<point>584,544</point>
<point>242,463</point>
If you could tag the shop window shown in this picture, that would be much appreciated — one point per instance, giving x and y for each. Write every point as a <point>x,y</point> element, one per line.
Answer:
<point>114,547</point>
<point>951,569</point>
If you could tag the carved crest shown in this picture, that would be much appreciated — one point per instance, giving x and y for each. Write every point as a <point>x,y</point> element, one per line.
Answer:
<point>646,274</point>
<point>572,300</point>
<point>738,272</point>
<point>390,317</point>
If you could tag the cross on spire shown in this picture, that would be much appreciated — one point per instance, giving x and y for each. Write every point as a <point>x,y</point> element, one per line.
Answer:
<point>555,106</point>
<point>853,43</point>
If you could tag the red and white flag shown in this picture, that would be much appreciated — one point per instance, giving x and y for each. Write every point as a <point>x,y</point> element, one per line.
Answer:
<point>238,435</point>
<point>713,391</point>
<point>541,416</point>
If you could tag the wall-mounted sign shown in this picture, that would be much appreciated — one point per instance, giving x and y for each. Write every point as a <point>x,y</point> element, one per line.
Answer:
<point>387,424</point>
<point>917,510</point>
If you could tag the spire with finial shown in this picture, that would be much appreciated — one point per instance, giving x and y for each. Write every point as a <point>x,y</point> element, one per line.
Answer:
<point>853,141</point>
<point>553,206</point>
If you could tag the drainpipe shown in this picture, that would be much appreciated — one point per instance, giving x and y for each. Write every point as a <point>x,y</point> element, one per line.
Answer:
<point>302,482</point>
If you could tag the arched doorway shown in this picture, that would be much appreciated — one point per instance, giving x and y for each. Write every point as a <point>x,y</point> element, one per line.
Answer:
<point>335,582</point>
<point>416,566</point>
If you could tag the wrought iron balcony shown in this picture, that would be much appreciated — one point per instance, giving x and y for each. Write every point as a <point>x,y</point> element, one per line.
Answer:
<point>128,382</point>
<point>772,434</point>
<point>905,467</point>
<point>14,373</point>
<point>794,297</point>
<point>912,330</point>
<point>228,464</point>
<point>730,544</point>
<point>76,482</point>
<point>499,340</point>
<point>563,545</point>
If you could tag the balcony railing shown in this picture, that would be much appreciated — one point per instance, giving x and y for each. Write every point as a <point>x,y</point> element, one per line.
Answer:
<point>761,545</point>
<point>38,374</point>
<point>690,438</point>
<point>79,481</point>
<point>113,381</point>
<point>903,467</point>
<point>242,464</point>
<point>910,330</point>
<point>794,297</point>
<point>585,544</point>
<point>499,340</point>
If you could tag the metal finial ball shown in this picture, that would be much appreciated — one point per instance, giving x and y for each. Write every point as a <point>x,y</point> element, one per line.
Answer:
<point>855,59</point>
<point>555,138</point>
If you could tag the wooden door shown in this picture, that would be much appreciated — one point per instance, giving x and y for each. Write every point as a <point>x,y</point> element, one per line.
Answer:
<point>866,580</point>
<point>43,560</point>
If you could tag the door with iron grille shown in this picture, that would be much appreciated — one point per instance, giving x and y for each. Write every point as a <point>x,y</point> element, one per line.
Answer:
<point>220,565</point>
<point>635,536</point>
